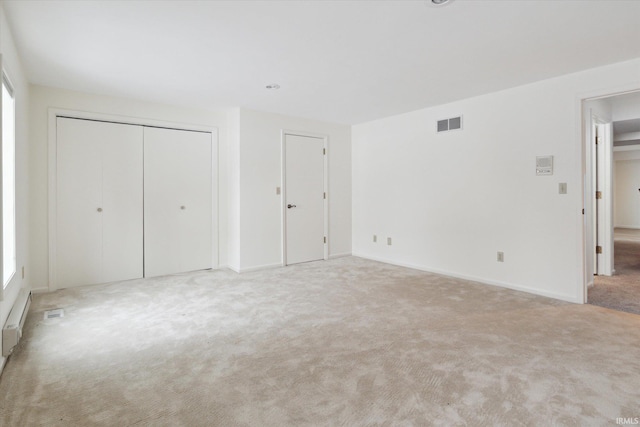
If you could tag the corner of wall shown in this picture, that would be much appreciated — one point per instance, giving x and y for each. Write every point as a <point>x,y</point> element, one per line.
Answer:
<point>233,189</point>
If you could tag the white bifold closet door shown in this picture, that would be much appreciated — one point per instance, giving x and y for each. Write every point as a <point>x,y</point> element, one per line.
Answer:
<point>99,209</point>
<point>177,201</point>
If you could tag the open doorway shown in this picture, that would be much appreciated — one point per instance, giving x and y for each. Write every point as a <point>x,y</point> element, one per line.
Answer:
<point>613,198</point>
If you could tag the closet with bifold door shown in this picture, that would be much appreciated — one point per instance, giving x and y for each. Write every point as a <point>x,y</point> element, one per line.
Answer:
<point>177,201</point>
<point>131,201</point>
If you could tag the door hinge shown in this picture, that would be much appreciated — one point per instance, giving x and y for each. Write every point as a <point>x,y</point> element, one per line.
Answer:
<point>598,194</point>
<point>324,151</point>
<point>324,195</point>
<point>597,140</point>
<point>583,211</point>
<point>325,239</point>
<point>598,249</point>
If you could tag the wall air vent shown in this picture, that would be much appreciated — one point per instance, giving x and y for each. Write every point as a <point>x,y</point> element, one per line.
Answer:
<point>454,123</point>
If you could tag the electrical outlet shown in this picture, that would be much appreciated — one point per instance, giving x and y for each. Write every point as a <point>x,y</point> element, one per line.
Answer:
<point>389,241</point>
<point>375,238</point>
<point>500,256</point>
<point>278,191</point>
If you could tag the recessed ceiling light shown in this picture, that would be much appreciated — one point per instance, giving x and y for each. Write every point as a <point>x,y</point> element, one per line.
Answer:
<point>273,86</point>
<point>440,2</point>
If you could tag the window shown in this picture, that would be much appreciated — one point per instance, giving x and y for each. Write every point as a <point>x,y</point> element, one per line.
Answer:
<point>8,182</point>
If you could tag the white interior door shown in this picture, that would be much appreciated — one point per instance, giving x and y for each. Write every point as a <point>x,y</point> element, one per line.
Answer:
<point>98,202</point>
<point>604,200</point>
<point>304,204</point>
<point>177,201</point>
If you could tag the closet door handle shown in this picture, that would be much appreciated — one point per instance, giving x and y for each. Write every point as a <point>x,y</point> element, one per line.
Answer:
<point>183,207</point>
<point>99,209</point>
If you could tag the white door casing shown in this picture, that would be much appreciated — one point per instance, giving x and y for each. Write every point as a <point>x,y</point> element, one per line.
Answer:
<point>177,201</point>
<point>304,198</point>
<point>99,202</point>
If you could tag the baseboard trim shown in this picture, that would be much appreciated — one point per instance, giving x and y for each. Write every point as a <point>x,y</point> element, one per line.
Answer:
<point>484,281</point>
<point>3,361</point>
<point>633,227</point>
<point>39,290</point>
<point>271,266</point>
<point>257,268</point>
<point>340,255</point>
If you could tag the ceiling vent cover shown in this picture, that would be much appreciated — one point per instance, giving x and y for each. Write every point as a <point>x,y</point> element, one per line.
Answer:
<point>454,123</point>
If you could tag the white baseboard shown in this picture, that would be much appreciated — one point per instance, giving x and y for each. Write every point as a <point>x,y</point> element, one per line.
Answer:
<point>39,290</point>
<point>257,268</point>
<point>514,287</point>
<point>270,266</point>
<point>3,361</point>
<point>633,227</point>
<point>341,255</point>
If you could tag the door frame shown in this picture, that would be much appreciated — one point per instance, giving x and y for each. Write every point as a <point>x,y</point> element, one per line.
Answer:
<point>583,152</point>
<point>283,212</point>
<point>54,113</point>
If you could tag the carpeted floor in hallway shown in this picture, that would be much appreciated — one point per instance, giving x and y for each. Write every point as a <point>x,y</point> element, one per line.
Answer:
<point>622,290</point>
<point>346,342</point>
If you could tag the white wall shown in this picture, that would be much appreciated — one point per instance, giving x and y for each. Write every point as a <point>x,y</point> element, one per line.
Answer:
<point>627,183</point>
<point>626,107</point>
<point>627,165</point>
<point>233,166</point>
<point>260,170</point>
<point>451,201</point>
<point>629,152</point>
<point>13,67</point>
<point>44,98</point>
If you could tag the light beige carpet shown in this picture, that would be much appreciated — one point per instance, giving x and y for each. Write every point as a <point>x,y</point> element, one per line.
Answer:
<point>622,290</point>
<point>346,342</point>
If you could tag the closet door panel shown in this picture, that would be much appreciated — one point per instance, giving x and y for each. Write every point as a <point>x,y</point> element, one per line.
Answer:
<point>122,204</point>
<point>78,190</point>
<point>98,202</point>
<point>161,211</point>
<point>178,221</point>
<point>195,219</point>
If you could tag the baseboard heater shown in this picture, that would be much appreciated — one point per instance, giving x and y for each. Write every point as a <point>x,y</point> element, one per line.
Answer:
<point>12,330</point>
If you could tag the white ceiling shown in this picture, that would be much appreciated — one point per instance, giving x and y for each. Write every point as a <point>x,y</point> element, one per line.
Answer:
<point>626,126</point>
<point>341,61</point>
<point>626,116</point>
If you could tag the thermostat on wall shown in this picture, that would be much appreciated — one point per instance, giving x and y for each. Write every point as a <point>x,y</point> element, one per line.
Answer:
<point>544,165</point>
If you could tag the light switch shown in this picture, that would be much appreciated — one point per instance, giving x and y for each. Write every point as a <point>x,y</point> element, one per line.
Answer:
<point>562,188</point>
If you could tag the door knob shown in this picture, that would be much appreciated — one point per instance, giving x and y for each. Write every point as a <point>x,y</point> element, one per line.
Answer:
<point>99,209</point>
<point>183,207</point>
<point>291,206</point>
